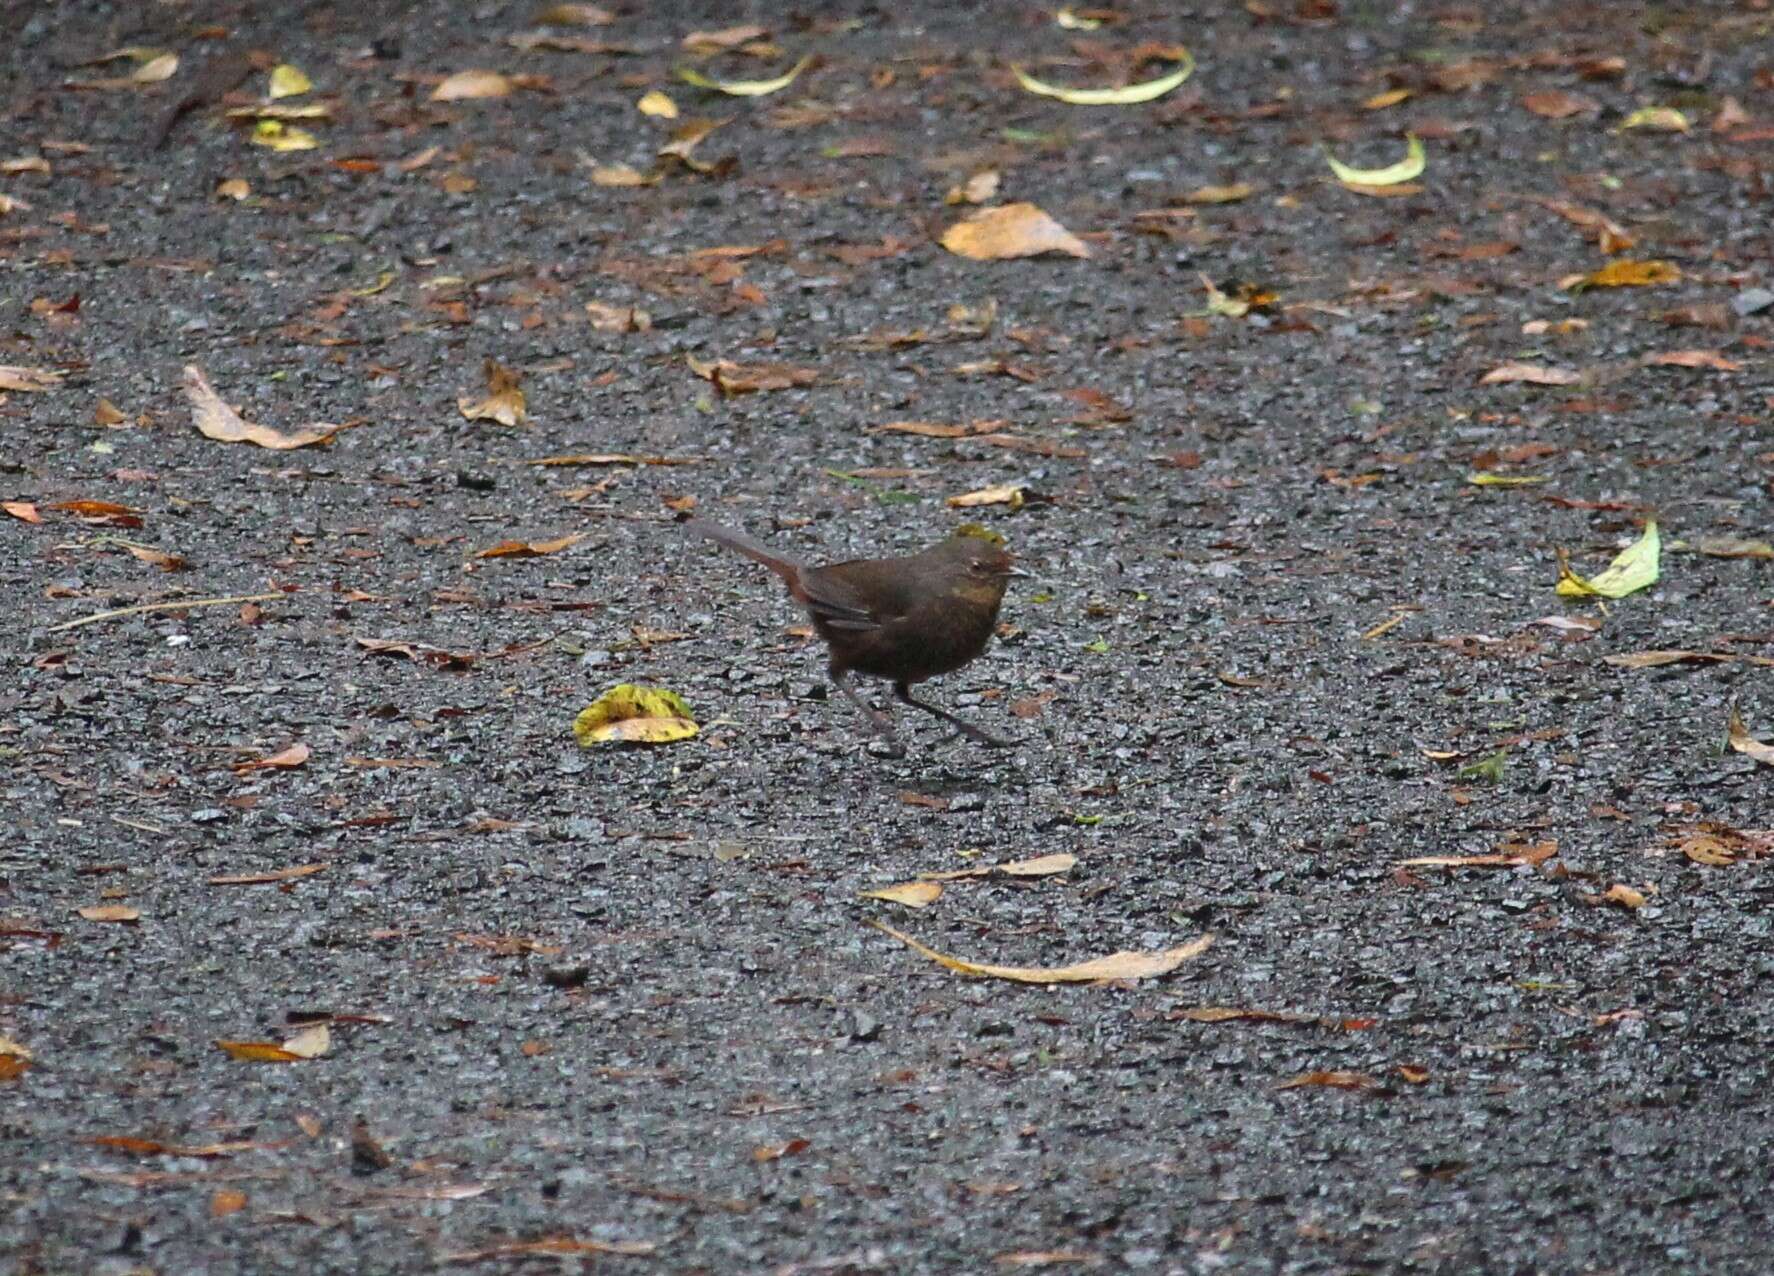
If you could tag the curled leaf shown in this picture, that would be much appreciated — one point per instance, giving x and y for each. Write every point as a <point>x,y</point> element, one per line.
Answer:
<point>1121,965</point>
<point>504,402</point>
<point>214,419</point>
<point>1634,568</point>
<point>1145,91</point>
<point>745,88</point>
<point>631,714</point>
<point>1739,738</point>
<point>1411,166</point>
<point>1014,230</point>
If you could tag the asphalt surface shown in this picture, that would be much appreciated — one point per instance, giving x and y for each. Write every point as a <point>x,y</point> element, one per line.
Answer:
<point>1274,643</point>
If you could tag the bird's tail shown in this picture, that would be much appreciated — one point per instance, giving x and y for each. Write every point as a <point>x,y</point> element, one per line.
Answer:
<point>787,568</point>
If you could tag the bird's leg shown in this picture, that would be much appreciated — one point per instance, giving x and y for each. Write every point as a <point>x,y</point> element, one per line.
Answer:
<point>904,692</point>
<point>878,722</point>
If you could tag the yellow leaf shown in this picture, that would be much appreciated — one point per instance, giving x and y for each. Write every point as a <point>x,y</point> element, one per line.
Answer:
<point>214,419</point>
<point>658,105</point>
<point>1627,273</point>
<point>621,175</point>
<point>1072,20</point>
<point>744,88</point>
<point>505,398</point>
<point>288,81</point>
<point>1624,895</point>
<point>911,894</point>
<point>630,714</point>
<point>1380,101</point>
<point>1010,494</point>
<point>1663,119</point>
<point>1743,742</point>
<point>1127,95</point>
<point>466,85</point>
<point>1410,166</point>
<point>257,1052</point>
<point>1633,569</point>
<point>1015,230</point>
<point>1220,194</point>
<point>282,137</point>
<point>574,15</point>
<point>233,188</point>
<point>1121,965</point>
<point>1485,478</point>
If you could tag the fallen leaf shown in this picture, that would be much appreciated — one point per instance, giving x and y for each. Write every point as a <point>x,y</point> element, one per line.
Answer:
<point>110,913</point>
<point>294,756</point>
<point>309,1043</point>
<point>25,511</point>
<point>745,88</point>
<point>468,85</point>
<point>1739,738</point>
<point>278,136</point>
<point>1610,235</point>
<point>1220,194</point>
<point>574,15</point>
<point>226,1201</point>
<point>1411,166</point>
<point>531,549</point>
<point>28,380</point>
<point>631,714</point>
<point>1661,119</point>
<point>1554,104</point>
<point>1046,1258</point>
<point>684,141</point>
<point>1227,1014</point>
<point>1040,866</point>
<point>287,81</point>
<point>726,38</point>
<point>1531,373</point>
<point>1624,895</point>
<point>504,402</point>
<point>911,894</point>
<point>1634,568</point>
<point>658,105</point>
<point>1694,359</point>
<point>1380,101</point>
<point>214,419</point>
<point>736,378</point>
<point>1120,965</point>
<point>923,429</point>
<point>618,318</point>
<point>1336,1080</point>
<point>1484,478</point>
<point>1013,230</point>
<point>977,189</point>
<point>1656,659</point>
<point>549,1245</point>
<point>267,878</point>
<point>1727,547</point>
<point>1527,855</point>
<point>1010,494</point>
<point>1626,273</point>
<point>1126,95</point>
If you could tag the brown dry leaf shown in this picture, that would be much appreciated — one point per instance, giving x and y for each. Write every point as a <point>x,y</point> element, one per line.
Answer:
<point>531,549</point>
<point>573,15</point>
<point>310,1043</point>
<point>214,419</point>
<point>1514,857</point>
<point>923,429</point>
<point>1743,742</point>
<point>613,458</point>
<point>293,756</point>
<point>726,38</point>
<point>1623,895</point>
<point>1121,965</point>
<point>1413,1074</point>
<point>1654,659</point>
<point>466,86</point>
<point>1228,1014</point>
<point>1038,447</point>
<point>270,878</point>
<point>1040,866</point>
<point>1047,1257</point>
<point>618,318</point>
<point>1015,230</point>
<point>12,1068</point>
<point>1555,104</point>
<point>911,894</point>
<point>226,1201</point>
<point>25,511</point>
<point>1010,494</point>
<point>1694,359</point>
<point>505,398</point>
<point>745,378</point>
<point>567,1245</point>
<point>1626,273</point>
<point>25,164</point>
<point>107,414</point>
<point>28,380</point>
<point>1530,373</point>
<point>686,138</point>
<point>1728,547</point>
<point>1610,235</point>
<point>1337,1080</point>
<point>156,557</point>
<point>110,913</point>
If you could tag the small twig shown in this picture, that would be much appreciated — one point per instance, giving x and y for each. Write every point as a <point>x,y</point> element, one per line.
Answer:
<point>178,605</point>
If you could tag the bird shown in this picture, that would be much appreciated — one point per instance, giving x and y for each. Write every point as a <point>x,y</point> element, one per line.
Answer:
<point>903,619</point>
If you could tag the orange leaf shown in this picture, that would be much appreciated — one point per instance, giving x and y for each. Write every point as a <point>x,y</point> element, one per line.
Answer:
<point>1334,1080</point>
<point>1015,230</point>
<point>1694,359</point>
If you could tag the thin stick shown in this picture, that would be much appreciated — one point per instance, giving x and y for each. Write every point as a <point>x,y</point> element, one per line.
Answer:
<point>172,606</point>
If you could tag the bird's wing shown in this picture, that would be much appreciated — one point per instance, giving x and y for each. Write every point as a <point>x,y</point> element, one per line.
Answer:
<point>831,602</point>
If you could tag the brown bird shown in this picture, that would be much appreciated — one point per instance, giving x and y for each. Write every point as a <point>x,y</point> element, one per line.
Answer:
<point>903,619</point>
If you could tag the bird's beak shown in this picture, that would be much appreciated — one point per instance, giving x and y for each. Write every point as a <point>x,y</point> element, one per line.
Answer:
<point>1017,571</point>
